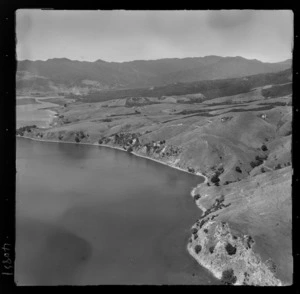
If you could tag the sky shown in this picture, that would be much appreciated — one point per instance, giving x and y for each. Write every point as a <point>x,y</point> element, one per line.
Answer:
<point>121,35</point>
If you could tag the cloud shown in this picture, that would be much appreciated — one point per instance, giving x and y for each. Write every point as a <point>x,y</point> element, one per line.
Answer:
<point>229,19</point>
<point>129,35</point>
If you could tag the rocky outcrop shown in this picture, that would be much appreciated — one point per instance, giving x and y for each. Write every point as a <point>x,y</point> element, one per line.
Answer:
<point>246,230</point>
<point>230,258</point>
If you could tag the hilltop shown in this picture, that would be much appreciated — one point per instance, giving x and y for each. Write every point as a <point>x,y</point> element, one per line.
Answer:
<point>62,75</point>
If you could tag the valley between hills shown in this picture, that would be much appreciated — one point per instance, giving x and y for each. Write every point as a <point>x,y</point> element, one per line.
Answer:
<point>235,132</point>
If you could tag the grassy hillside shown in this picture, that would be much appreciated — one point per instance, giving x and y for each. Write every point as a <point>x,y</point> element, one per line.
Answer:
<point>257,213</point>
<point>233,132</point>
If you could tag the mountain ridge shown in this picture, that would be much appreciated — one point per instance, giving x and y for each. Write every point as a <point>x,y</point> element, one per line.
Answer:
<point>62,74</point>
<point>158,59</point>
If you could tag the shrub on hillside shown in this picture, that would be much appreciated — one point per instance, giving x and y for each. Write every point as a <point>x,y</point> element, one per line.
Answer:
<point>271,265</point>
<point>250,241</point>
<point>278,166</point>
<point>215,179</point>
<point>198,248</point>
<point>238,169</point>
<point>231,250</point>
<point>229,182</point>
<point>81,134</point>
<point>258,161</point>
<point>77,140</point>
<point>264,147</point>
<point>253,164</point>
<point>107,120</point>
<point>194,231</point>
<point>197,196</point>
<point>228,277</point>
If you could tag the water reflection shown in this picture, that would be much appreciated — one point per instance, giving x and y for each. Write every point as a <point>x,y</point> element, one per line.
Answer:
<point>73,151</point>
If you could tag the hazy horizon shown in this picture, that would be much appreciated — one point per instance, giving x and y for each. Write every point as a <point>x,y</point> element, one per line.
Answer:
<point>148,59</point>
<point>122,36</point>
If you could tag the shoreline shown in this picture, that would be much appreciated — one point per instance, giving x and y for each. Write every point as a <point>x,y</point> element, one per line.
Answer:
<point>121,149</point>
<point>52,114</point>
<point>192,193</point>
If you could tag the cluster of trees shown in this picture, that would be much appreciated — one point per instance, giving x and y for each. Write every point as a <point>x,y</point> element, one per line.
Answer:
<point>127,139</point>
<point>80,136</point>
<point>209,88</point>
<point>157,146</point>
<point>231,250</point>
<point>211,249</point>
<point>258,161</point>
<point>264,147</point>
<point>277,91</point>
<point>104,140</point>
<point>197,196</point>
<point>215,178</point>
<point>228,182</point>
<point>194,231</point>
<point>24,129</point>
<point>172,150</point>
<point>279,166</point>
<point>249,241</point>
<point>198,248</point>
<point>218,204</point>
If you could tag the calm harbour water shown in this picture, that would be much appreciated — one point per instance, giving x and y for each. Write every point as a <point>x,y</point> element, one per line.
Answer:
<point>37,114</point>
<point>94,215</point>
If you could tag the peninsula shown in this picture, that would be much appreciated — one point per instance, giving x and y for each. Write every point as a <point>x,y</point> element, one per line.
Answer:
<point>236,132</point>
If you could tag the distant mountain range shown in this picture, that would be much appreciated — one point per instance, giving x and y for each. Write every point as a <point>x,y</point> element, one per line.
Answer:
<point>62,75</point>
